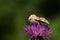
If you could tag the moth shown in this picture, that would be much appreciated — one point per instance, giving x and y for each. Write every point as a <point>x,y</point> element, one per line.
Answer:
<point>35,19</point>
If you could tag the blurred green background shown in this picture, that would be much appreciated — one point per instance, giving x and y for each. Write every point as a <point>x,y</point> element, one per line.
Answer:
<point>14,15</point>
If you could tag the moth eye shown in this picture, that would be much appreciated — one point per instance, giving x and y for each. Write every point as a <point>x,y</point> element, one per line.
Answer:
<point>29,19</point>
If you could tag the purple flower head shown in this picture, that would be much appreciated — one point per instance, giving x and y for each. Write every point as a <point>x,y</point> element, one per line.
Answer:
<point>37,30</point>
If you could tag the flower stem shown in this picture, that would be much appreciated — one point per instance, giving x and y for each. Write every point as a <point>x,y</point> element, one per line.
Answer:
<point>36,38</point>
<point>40,38</point>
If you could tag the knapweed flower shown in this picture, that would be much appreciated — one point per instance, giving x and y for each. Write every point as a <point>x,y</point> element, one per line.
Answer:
<point>37,30</point>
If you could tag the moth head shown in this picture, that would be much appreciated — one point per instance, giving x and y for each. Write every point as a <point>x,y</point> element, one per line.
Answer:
<point>33,18</point>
